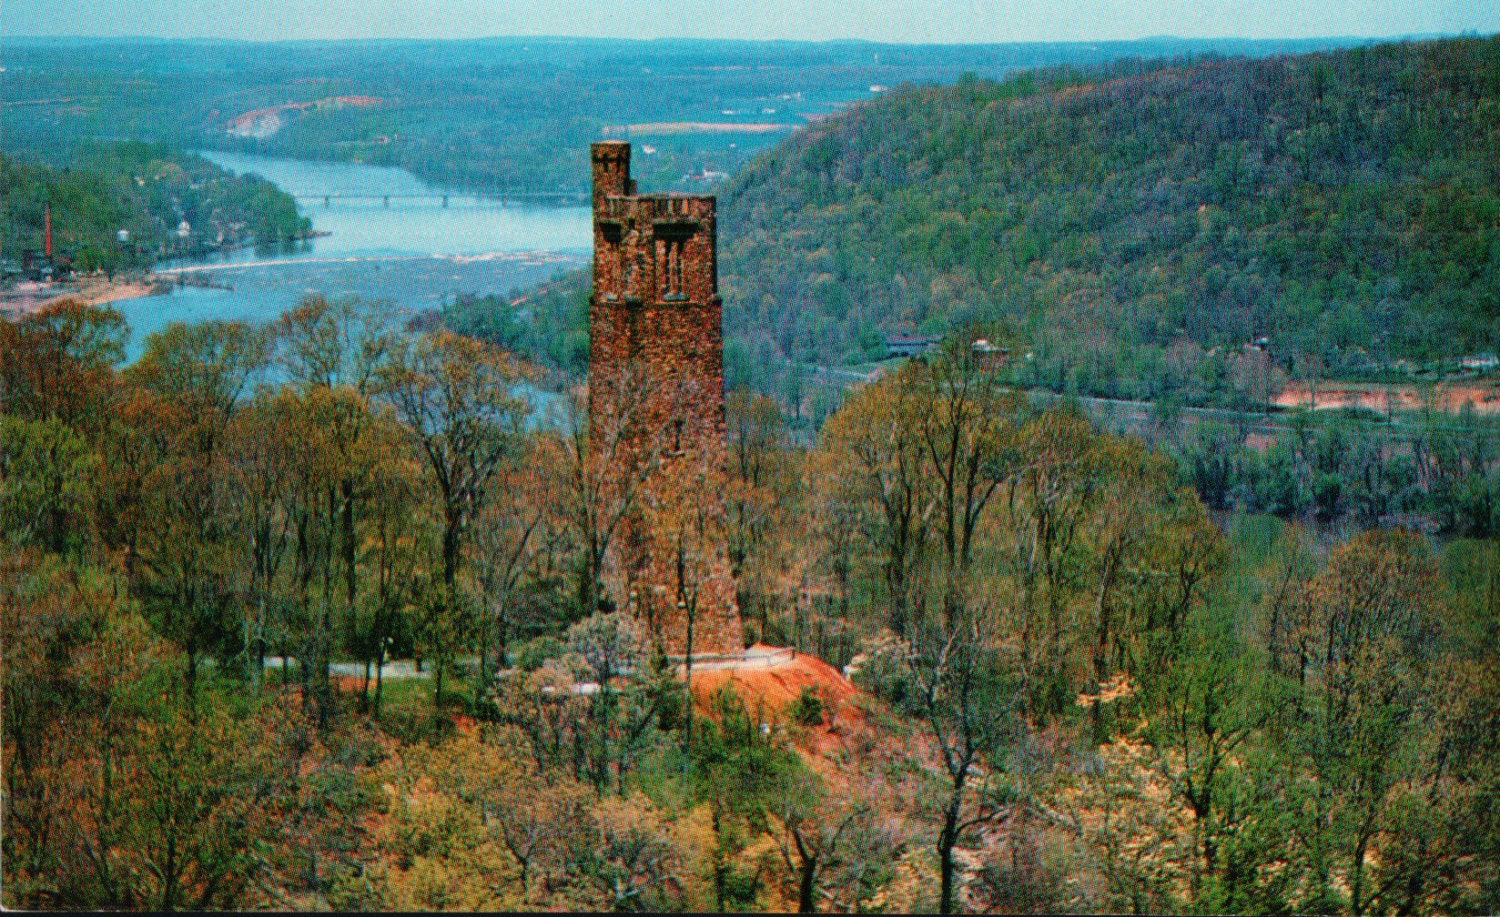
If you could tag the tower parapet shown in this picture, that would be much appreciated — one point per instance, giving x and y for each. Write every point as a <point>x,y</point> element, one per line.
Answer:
<point>656,393</point>
<point>611,167</point>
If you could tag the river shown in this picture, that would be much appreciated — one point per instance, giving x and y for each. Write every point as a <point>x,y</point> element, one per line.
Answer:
<point>413,253</point>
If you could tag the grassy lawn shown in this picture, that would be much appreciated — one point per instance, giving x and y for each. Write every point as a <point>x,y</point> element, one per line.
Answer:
<point>406,705</point>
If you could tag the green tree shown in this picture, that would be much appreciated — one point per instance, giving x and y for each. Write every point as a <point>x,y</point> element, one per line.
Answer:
<point>463,405</point>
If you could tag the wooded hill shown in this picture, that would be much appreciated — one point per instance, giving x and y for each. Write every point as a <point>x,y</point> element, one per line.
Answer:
<point>148,189</point>
<point>511,114</point>
<point>1127,220</point>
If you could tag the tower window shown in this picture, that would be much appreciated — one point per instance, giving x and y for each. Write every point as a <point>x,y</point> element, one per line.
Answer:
<point>671,267</point>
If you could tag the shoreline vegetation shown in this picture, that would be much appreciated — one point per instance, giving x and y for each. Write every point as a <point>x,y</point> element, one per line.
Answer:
<point>122,207</point>
<point>98,289</point>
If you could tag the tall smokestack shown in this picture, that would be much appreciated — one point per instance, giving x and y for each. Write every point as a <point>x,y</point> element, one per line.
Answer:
<point>47,228</point>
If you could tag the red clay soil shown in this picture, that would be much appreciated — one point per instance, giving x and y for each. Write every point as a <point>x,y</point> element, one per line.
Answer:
<point>1441,396</point>
<point>766,690</point>
<point>846,734</point>
<point>770,689</point>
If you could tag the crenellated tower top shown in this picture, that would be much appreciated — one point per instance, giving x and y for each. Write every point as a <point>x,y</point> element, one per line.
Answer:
<point>611,161</point>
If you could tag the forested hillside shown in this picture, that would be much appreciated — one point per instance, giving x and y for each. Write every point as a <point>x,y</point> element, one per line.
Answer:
<point>1071,691</point>
<point>508,114</point>
<point>305,615</point>
<point>1126,221</point>
<point>149,190</point>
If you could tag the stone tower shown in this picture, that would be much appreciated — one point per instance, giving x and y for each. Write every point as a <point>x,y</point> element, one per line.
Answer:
<point>656,408</point>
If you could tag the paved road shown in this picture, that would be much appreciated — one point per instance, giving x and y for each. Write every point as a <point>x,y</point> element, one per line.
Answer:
<point>397,668</point>
<point>753,658</point>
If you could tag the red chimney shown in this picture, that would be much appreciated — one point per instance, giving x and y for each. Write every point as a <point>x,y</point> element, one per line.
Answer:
<point>47,226</point>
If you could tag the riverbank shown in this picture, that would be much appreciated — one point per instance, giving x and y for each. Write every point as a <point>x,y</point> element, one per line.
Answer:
<point>29,296</point>
<point>528,257</point>
<point>410,257</point>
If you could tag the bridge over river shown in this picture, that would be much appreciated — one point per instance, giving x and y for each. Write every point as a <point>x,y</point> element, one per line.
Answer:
<point>500,199</point>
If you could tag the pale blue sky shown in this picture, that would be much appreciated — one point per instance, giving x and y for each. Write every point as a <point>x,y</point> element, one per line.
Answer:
<point>876,20</point>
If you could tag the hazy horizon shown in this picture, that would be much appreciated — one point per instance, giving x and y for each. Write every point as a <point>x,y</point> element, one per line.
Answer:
<point>878,21</point>
<point>667,39</point>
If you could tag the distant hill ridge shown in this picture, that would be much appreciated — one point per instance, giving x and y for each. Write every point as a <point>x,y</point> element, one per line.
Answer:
<point>1137,222</point>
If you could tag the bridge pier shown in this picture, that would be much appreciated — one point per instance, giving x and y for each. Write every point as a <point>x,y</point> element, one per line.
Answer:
<point>445,201</point>
<point>387,200</point>
<point>327,200</point>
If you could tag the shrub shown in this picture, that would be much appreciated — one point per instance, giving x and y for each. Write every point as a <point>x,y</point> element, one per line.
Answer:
<point>807,709</point>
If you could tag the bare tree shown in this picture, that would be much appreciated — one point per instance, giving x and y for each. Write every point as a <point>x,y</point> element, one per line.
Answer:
<point>969,704</point>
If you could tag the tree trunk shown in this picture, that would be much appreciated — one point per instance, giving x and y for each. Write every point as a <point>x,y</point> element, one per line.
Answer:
<point>947,838</point>
<point>452,524</point>
<point>379,681</point>
<point>502,636</point>
<point>260,640</point>
<point>484,657</point>
<point>1102,625</point>
<point>350,545</point>
<point>806,887</point>
<point>325,660</point>
<point>688,683</point>
<point>1357,881</point>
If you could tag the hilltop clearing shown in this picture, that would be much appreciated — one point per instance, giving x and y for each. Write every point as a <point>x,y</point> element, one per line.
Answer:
<point>263,123</point>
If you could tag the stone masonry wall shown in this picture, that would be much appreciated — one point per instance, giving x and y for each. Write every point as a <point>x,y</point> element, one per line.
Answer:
<point>656,391</point>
